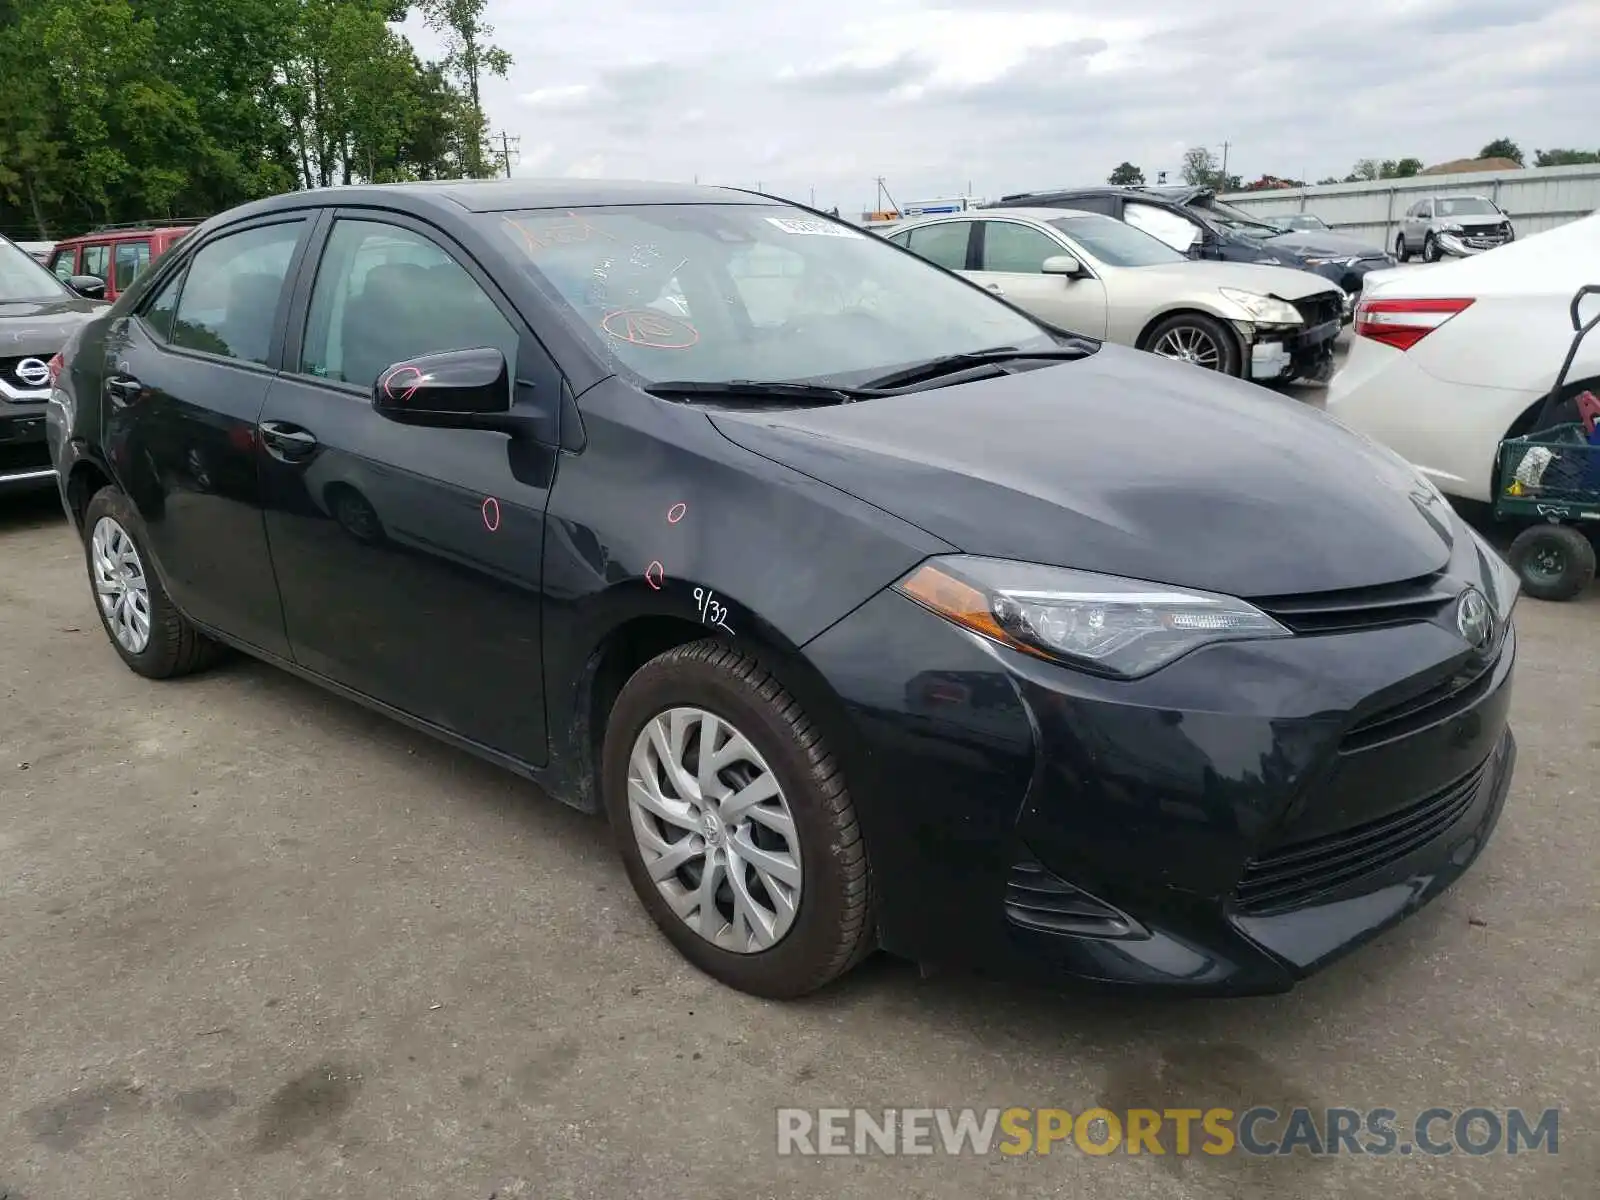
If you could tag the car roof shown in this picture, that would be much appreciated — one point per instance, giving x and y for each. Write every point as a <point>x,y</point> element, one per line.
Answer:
<point>501,195</point>
<point>138,231</point>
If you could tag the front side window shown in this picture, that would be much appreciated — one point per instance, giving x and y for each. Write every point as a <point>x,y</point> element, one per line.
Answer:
<point>734,292</point>
<point>384,294</point>
<point>131,258</point>
<point>1178,232</point>
<point>1115,243</point>
<point>944,244</point>
<point>231,290</point>
<point>22,277</point>
<point>161,308</point>
<point>1015,248</point>
<point>97,262</point>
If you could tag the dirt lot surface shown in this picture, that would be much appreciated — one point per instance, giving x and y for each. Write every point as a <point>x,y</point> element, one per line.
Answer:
<point>257,942</point>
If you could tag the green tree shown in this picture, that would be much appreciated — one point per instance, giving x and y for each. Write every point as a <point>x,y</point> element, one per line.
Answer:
<point>1365,170</point>
<point>1502,148</point>
<point>1126,175</point>
<point>469,55</point>
<point>1199,167</point>
<point>1564,158</point>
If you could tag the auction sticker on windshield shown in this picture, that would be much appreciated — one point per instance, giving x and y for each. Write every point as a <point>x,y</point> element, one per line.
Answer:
<point>820,228</point>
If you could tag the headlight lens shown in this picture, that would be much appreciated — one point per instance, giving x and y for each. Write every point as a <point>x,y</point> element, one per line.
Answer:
<point>1499,580</point>
<point>1333,262</point>
<point>1263,308</point>
<point>1124,628</point>
<point>1450,227</point>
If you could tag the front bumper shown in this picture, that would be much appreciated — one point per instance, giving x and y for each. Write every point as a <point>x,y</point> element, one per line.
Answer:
<point>1462,246</point>
<point>24,452</point>
<point>1225,826</point>
<point>1279,354</point>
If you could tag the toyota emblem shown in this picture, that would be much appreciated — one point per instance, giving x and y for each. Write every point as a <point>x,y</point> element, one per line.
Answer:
<point>34,372</point>
<point>1474,618</point>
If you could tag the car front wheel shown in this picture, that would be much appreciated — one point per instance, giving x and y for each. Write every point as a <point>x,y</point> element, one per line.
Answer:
<point>1430,249</point>
<point>734,822</point>
<point>145,627</point>
<point>1400,251</point>
<point>1197,339</point>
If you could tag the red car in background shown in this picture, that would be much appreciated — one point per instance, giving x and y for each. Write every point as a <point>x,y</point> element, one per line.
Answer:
<point>116,253</point>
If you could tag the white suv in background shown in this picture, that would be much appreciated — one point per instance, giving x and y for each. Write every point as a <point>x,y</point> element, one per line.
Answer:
<point>1446,362</point>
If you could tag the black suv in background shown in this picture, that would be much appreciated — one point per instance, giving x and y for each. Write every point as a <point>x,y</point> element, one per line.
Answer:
<point>1191,219</point>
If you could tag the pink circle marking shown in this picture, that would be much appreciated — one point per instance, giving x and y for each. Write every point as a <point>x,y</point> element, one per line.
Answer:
<point>676,512</point>
<point>406,380</point>
<point>491,514</point>
<point>655,575</point>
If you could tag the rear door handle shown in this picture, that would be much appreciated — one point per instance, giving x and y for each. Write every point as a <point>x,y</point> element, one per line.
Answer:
<point>123,389</point>
<point>288,442</point>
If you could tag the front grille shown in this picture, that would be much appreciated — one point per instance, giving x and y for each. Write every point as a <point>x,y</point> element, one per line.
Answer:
<point>1418,599</point>
<point>8,373</point>
<point>1038,899</point>
<point>1320,309</point>
<point>1294,875</point>
<point>1490,233</point>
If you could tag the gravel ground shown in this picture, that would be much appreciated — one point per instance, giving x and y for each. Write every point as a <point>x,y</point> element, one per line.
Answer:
<point>258,942</point>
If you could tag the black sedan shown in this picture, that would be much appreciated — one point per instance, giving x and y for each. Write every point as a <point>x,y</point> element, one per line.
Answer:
<point>872,612</point>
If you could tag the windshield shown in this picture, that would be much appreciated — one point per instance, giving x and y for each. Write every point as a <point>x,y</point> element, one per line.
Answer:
<point>22,278</point>
<point>1467,206</point>
<point>1299,221</point>
<point>716,293</point>
<point>1116,243</point>
<point>1240,221</point>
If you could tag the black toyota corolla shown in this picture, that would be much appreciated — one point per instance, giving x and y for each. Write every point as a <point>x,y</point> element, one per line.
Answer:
<point>872,612</point>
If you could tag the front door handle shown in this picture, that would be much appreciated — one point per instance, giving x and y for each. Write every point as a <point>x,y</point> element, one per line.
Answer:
<point>995,288</point>
<point>122,390</point>
<point>288,442</point>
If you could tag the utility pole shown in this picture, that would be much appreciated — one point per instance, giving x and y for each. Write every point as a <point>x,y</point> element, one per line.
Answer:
<point>1223,185</point>
<point>508,146</point>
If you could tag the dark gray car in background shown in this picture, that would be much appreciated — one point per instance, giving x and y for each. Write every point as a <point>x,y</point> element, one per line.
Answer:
<point>37,314</point>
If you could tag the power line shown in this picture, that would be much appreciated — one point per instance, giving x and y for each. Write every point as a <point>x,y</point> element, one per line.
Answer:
<point>508,146</point>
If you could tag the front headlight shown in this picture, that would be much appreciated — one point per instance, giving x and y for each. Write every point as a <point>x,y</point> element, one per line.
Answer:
<point>1263,308</point>
<point>1333,262</point>
<point>1450,227</point>
<point>1123,628</point>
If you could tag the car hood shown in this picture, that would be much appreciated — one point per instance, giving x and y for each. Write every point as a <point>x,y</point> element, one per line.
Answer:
<point>33,327</point>
<point>1317,243</point>
<point>1286,283</point>
<point>1125,464</point>
<point>1475,222</point>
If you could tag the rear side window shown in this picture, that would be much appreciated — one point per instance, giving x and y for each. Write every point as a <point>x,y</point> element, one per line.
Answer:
<point>131,258</point>
<point>944,244</point>
<point>65,264</point>
<point>97,262</point>
<point>231,290</point>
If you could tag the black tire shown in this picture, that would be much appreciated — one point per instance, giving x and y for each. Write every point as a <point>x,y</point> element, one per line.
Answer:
<point>1230,359</point>
<point>1430,249</point>
<point>175,647</point>
<point>1554,562</point>
<point>833,927</point>
<point>1400,252</point>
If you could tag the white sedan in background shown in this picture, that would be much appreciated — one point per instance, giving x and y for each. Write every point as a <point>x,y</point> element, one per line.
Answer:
<point>1097,276</point>
<point>1448,361</point>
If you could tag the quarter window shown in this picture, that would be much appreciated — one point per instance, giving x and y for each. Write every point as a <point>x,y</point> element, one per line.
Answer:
<point>384,294</point>
<point>230,294</point>
<point>944,244</point>
<point>132,257</point>
<point>1178,232</point>
<point>65,264</point>
<point>1015,248</point>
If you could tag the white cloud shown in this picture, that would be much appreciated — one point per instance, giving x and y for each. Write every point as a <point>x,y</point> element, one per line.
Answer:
<point>1012,94</point>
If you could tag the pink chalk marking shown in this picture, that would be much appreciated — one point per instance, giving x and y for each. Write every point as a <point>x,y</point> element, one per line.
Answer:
<point>413,380</point>
<point>676,512</point>
<point>491,514</point>
<point>655,575</point>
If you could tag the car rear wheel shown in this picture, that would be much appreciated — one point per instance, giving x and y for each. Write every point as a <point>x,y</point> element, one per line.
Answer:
<point>1430,249</point>
<point>734,823</point>
<point>144,626</point>
<point>1197,339</point>
<point>1400,251</point>
<point>1554,562</point>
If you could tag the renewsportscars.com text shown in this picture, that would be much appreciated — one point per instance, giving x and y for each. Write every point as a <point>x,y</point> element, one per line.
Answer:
<point>1259,1131</point>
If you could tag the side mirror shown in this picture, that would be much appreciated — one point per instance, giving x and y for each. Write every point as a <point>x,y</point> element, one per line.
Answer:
<point>458,389</point>
<point>90,287</point>
<point>1062,264</point>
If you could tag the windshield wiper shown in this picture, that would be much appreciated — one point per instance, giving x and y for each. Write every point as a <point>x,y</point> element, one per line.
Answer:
<point>948,364</point>
<point>774,389</point>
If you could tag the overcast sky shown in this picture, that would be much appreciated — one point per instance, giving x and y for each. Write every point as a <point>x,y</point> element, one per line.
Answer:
<point>1013,94</point>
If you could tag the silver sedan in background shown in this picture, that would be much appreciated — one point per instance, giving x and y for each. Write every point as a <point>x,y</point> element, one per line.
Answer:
<point>1097,276</point>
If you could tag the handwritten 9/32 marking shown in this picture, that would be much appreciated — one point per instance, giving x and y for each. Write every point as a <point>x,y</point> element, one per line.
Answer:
<point>711,612</point>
